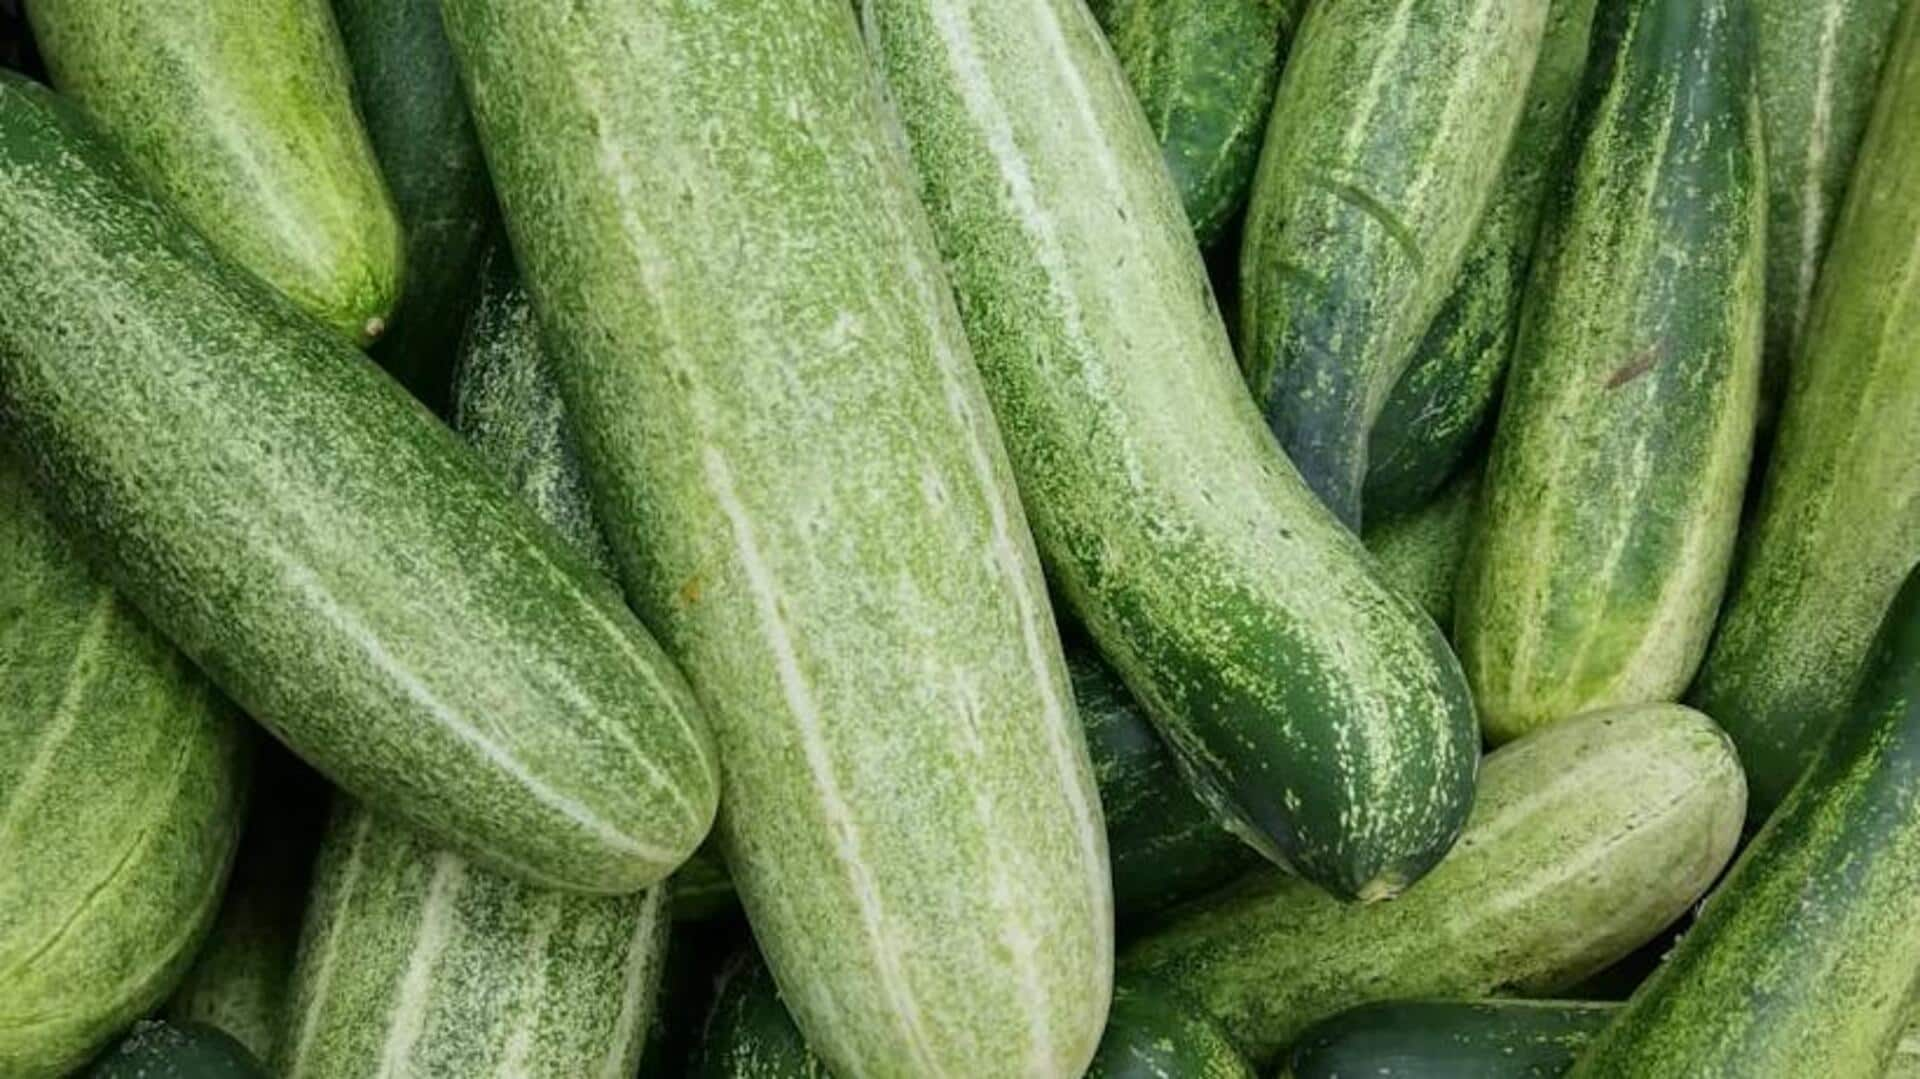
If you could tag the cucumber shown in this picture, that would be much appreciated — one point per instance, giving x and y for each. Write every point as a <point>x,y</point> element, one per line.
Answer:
<point>1614,486</point>
<point>1388,136</point>
<point>1205,71</point>
<point>1419,552</point>
<point>749,1034</point>
<point>1801,962</point>
<point>416,119</point>
<point>1504,1039</point>
<point>157,1050</point>
<point>1838,523</point>
<point>241,114</point>
<point>275,504</point>
<point>803,487</point>
<point>1318,712</point>
<point>120,798</point>
<point>1905,1062</point>
<point>1587,839</point>
<point>1436,414</point>
<point>1151,1035</point>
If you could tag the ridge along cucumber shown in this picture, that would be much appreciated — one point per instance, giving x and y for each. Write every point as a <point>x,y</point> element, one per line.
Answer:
<point>804,490</point>
<point>274,502</point>
<point>1614,485</point>
<point>1801,962</point>
<point>121,793</point>
<point>1420,552</point>
<point>160,1050</point>
<point>1438,410</point>
<point>1486,1039</point>
<point>241,114</point>
<point>1367,198</point>
<point>1587,839</point>
<point>1317,712</point>
<point>1838,525</point>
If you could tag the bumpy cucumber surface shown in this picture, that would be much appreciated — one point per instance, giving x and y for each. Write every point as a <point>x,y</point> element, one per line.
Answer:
<point>1507,1039</point>
<point>1419,552</point>
<point>321,545</point>
<point>156,1050</point>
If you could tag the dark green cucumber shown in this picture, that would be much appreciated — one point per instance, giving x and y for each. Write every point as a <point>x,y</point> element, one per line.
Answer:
<point>1437,411</point>
<point>1419,552</point>
<point>749,1034</point>
<point>241,114</point>
<point>1802,961</point>
<point>1205,71</point>
<point>1490,1039</point>
<point>156,1050</point>
<point>328,552</point>
<point>1387,139</point>
<point>1614,486</point>
<point>1838,524</point>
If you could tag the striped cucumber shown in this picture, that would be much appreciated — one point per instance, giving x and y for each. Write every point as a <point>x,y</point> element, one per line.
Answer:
<point>155,1050</point>
<point>241,113</point>
<point>1317,711</point>
<point>1802,960</point>
<point>1587,839</point>
<point>274,503</point>
<point>1838,525</point>
<point>1151,1035</point>
<point>802,483</point>
<point>1492,1039</point>
<point>1436,413</point>
<point>1419,552</point>
<point>1614,486</point>
<point>1388,136</point>
<point>120,799</point>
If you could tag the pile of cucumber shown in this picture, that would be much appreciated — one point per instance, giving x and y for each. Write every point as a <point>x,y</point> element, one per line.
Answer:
<point>766,539</point>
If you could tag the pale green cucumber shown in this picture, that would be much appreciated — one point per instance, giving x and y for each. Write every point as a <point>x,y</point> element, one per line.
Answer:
<point>241,113</point>
<point>328,552</point>
<point>1587,839</point>
<point>802,483</point>
<point>1419,552</point>
<point>1614,486</point>
<point>1387,139</point>
<point>1317,711</point>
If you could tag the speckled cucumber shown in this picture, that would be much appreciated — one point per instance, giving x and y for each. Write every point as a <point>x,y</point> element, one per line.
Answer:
<point>156,1050</point>
<point>1838,523</point>
<point>275,504</point>
<point>1317,712</point>
<point>1387,139</point>
<point>803,486</point>
<point>1801,962</point>
<point>120,799</point>
<point>1614,486</point>
<point>1490,1039</point>
<point>1419,552</point>
<point>1587,839</point>
<point>1434,417</point>
<point>241,113</point>
<point>1153,1035</point>
<point>749,1034</point>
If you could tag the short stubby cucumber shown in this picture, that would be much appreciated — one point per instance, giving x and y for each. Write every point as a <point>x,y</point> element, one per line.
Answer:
<point>157,1050</point>
<point>802,482</point>
<point>1318,712</point>
<point>1491,1039</point>
<point>1419,552</point>
<point>1388,135</point>
<point>322,546</point>
<point>1614,486</point>
<point>1588,838</point>
<point>241,113</point>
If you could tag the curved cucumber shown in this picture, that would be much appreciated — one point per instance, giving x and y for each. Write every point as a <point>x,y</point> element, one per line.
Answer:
<point>1613,490</point>
<point>241,113</point>
<point>1420,552</point>
<point>1506,1039</point>
<point>1839,519</point>
<point>802,483</point>
<point>1317,712</point>
<point>325,550</point>
<point>176,1051</point>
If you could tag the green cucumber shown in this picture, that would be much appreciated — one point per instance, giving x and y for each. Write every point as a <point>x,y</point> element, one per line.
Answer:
<point>749,1034</point>
<point>1317,711</point>
<point>156,1050</point>
<point>1905,1061</point>
<point>416,119</point>
<point>241,114</point>
<point>1436,413</point>
<point>1151,1035</point>
<point>1419,552</point>
<point>1587,839</point>
<point>1490,1039</point>
<point>1838,524</point>
<point>1387,139</point>
<point>1614,486</point>
<point>1205,71</point>
<point>804,489</point>
<point>321,545</point>
<point>1802,960</point>
<point>120,798</point>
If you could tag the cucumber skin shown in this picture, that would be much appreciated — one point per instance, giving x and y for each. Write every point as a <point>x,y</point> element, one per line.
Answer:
<point>1801,962</point>
<point>1440,406</point>
<point>157,1050</point>
<point>241,114</point>
<point>747,502</point>
<point>120,800</point>
<point>1614,486</point>
<point>1838,524</point>
<point>1603,830</point>
<point>1330,728</point>
<point>1419,553</point>
<point>1364,207</point>
<point>1509,1039</point>
<point>247,480</point>
<point>749,1034</point>
<point>1153,1036</point>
